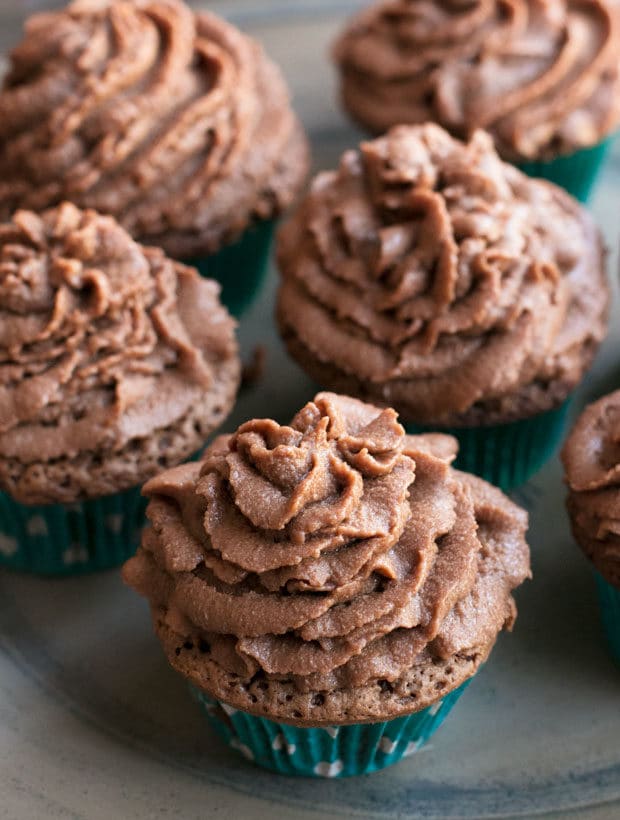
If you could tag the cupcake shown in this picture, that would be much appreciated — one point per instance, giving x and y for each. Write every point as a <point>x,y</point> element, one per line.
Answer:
<point>542,76</point>
<point>426,275</point>
<point>591,458</point>
<point>174,123</point>
<point>115,363</point>
<point>330,587</point>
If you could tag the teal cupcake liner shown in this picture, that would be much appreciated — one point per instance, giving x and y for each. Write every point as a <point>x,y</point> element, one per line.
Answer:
<point>609,602</point>
<point>507,455</point>
<point>71,539</point>
<point>575,172</point>
<point>335,751</point>
<point>240,268</point>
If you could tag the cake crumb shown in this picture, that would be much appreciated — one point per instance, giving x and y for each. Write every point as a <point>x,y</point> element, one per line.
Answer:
<point>254,369</point>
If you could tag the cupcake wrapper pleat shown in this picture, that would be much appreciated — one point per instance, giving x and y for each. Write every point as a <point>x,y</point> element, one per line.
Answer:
<point>507,455</point>
<point>73,539</point>
<point>576,173</point>
<point>338,751</point>
<point>609,602</point>
<point>240,268</point>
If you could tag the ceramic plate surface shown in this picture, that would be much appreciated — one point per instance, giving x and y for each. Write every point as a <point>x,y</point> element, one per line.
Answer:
<point>94,725</point>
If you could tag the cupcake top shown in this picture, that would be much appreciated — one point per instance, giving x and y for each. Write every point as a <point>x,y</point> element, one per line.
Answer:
<point>428,275</point>
<point>115,361</point>
<point>331,571</point>
<point>173,122</point>
<point>543,76</point>
<point>591,458</point>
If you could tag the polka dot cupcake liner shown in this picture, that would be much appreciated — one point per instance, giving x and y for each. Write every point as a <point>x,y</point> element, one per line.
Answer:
<point>609,602</point>
<point>72,539</point>
<point>576,173</point>
<point>507,455</point>
<point>240,268</point>
<point>335,751</point>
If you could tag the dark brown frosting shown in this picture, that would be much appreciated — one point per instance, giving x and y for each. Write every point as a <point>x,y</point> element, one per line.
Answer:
<point>543,76</point>
<point>591,458</point>
<point>332,555</point>
<point>175,123</point>
<point>114,360</point>
<point>427,275</point>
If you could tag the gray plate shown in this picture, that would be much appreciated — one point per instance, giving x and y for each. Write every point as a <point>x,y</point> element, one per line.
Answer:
<point>93,723</point>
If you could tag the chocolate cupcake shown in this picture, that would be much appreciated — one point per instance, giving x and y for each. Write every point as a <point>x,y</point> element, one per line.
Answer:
<point>328,587</point>
<point>115,363</point>
<point>427,275</point>
<point>591,458</point>
<point>175,123</point>
<point>542,76</point>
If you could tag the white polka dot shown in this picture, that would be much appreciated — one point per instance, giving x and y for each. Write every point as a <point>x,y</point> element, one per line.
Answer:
<point>114,522</point>
<point>413,747</point>
<point>235,743</point>
<point>332,731</point>
<point>280,742</point>
<point>325,769</point>
<point>37,525</point>
<point>387,745</point>
<point>8,545</point>
<point>230,710</point>
<point>435,708</point>
<point>76,554</point>
<point>210,707</point>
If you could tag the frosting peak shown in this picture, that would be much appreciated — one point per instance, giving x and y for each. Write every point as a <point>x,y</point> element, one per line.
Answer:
<point>311,486</point>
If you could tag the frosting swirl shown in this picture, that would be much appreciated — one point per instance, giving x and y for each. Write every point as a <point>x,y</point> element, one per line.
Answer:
<point>542,76</point>
<point>175,123</point>
<point>427,275</point>
<point>591,458</point>
<point>115,361</point>
<point>329,569</point>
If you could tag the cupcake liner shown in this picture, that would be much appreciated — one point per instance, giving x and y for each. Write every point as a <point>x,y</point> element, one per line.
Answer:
<point>240,268</point>
<point>73,539</point>
<point>507,455</point>
<point>335,751</point>
<point>576,172</point>
<point>609,602</point>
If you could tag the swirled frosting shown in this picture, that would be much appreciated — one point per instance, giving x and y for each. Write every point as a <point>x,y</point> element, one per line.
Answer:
<point>332,569</point>
<point>175,123</point>
<point>591,458</point>
<point>427,275</point>
<point>115,361</point>
<point>543,76</point>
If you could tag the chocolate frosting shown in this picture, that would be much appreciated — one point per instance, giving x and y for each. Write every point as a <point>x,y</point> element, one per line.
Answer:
<point>543,76</point>
<point>328,556</point>
<point>175,123</point>
<point>591,458</point>
<point>427,275</point>
<point>106,348</point>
